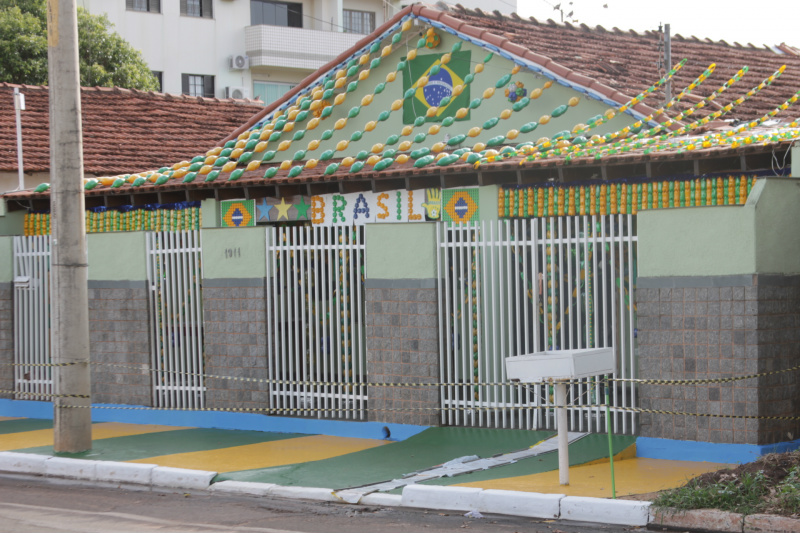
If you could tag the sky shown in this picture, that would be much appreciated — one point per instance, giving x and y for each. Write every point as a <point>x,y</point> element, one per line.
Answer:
<point>746,21</point>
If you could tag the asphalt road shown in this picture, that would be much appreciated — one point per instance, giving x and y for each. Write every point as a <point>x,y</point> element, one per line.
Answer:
<point>46,506</point>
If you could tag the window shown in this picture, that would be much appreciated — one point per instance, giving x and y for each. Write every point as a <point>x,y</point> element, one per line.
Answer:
<point>160,77</point>
<point>151,6</point>
<point>197,85</point>
<point>197,8</point>
<point>358,21</point>
<point>276,13</point>
<point>269,92</point>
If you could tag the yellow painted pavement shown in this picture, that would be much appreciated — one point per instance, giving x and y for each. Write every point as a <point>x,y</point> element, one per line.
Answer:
<point>633,476</point>
<point>103,430</point>
<point>265,454</point>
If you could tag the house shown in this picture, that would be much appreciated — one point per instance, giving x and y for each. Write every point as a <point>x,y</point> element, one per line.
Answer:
<point>459,187</point>
<point>249,49</point>
<point>160,126</point>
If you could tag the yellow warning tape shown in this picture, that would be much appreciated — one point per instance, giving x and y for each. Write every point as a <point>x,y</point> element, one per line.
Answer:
<point>271,410</point>
<point>45,395</point>
<point>699,381</point>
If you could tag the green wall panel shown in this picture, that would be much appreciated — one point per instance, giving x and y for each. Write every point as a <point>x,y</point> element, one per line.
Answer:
<point>238,253</point>
<point>697,241</point>
<point>120,256</point>
<point>401,251</point>
<point>6,259</point>
<point>778,227</point>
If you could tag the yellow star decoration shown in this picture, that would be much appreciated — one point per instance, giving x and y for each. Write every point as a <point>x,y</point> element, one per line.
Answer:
<point>283,209</point>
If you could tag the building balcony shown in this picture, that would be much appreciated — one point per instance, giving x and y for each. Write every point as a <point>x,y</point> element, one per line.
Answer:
<point>280,46</point>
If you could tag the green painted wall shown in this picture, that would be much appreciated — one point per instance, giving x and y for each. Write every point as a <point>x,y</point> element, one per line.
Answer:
<point>401,251</point>
<point>6,259</point>
<point>778,227</point>
<point>758,237</point>
<point>209,211</point>
<point>12,223</point>
<point>234,253</point>
<point>697,241</point>
<point>120,256</point>
<point>487,202</point>
<point>494,70</point>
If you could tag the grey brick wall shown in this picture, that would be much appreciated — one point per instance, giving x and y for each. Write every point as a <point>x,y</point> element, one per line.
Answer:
<point>119,333</point>
<point>6,339</point>
<point>778,348</point>
<point>718,332</point>
<point>402,347</point>
<point>235,342</point>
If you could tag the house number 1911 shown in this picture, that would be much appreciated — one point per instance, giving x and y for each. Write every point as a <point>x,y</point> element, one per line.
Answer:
<point>230,253</point>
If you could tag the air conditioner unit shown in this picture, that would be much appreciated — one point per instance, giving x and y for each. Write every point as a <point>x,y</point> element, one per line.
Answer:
<point>239,62</point>
<point>239,93</point>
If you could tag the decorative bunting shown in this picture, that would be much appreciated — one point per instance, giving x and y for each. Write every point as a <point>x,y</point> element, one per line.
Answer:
<point>621,198</point>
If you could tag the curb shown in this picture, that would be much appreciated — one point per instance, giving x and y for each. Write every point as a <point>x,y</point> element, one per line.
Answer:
<point>723,521</point>
<point>503,502</point>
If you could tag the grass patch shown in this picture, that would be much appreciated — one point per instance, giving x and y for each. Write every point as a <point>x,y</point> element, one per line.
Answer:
<point>769,485</point>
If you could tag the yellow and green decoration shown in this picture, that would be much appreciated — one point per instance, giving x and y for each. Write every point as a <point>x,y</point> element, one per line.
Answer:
<point>444,88</point>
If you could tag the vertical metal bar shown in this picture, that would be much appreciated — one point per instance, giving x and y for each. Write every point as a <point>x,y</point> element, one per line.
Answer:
<point>154,368</point>
<point>614,303</point>
<point>632,261</point>
<point>449,393</point>
<point>442,316</point>
<point>271,314</point>
<point>362,356</point>
<point>180,255</point>
<point>490,251</point>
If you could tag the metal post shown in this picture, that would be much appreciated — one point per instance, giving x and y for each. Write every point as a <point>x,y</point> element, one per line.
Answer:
<point>667,61</point>
<point>563,438</point>
<point>70,314</point>
<point>19,106</point>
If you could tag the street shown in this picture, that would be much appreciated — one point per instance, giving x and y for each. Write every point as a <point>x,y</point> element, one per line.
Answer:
<point>46,506</point>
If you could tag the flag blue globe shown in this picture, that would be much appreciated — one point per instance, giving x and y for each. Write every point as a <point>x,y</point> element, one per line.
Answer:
<point>439,86</point>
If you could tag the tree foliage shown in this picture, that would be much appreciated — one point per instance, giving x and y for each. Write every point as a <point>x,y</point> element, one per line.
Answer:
<point>106,59</point>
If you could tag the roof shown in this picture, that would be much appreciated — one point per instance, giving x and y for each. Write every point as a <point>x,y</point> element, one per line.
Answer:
<point>122,129</point>
<point>627,60</point>
<point>593,62</point>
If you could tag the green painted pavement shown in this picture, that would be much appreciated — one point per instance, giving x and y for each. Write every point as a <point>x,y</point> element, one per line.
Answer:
<point>589,448</point>
<point>432,447</point>
<point>24,424</point>
<point>166,443</point>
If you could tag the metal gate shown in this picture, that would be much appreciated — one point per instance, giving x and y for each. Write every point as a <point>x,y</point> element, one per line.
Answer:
<point>32,317</point>
<point>315,321</point>
<point>524,286</point>
<point>174,276</point>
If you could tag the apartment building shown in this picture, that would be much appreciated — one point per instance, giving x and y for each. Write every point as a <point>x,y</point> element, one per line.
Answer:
<point>245,48</point>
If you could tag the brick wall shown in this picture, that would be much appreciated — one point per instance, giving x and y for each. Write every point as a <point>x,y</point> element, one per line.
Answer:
<point>738,327</point>
<point>6,339</point>
<point>235,341</point>
<point>119,333</point>
<point>778,348</point>
<point>402,347</point>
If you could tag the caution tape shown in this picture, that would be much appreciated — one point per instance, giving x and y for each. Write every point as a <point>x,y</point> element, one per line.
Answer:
<point>295,410</point>
<point>38,365</point>
<point>644,381</point>
<point>45,395</point>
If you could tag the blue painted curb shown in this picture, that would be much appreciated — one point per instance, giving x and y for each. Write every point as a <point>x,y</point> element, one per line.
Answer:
<point>222,420</point>
<point>687,450</point>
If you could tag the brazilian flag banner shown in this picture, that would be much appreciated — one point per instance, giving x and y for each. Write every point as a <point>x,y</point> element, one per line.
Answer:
<point>441,80</point>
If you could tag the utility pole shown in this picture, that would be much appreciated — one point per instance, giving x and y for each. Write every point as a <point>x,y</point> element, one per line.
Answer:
<point>72,416</point>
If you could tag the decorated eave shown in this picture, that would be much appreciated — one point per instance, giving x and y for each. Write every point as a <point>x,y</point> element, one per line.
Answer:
<point>656,142</point>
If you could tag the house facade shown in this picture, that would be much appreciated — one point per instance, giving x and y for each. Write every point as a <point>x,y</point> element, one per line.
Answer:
<point>371,246</point>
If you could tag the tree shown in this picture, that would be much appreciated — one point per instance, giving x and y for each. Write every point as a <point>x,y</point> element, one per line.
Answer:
<point>106,59</point>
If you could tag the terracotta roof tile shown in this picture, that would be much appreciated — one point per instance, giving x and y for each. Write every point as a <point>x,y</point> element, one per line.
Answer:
<point>123,130</point>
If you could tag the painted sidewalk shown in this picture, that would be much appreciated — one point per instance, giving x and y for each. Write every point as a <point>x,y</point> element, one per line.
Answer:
<point>294,459</point>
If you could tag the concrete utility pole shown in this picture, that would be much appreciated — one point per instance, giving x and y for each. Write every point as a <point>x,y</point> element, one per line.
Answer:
<point>70,305</point>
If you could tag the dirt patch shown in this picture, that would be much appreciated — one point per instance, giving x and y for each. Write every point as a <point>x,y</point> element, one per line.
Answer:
<point>770,484</point>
